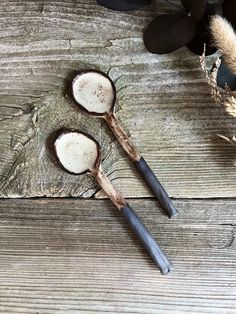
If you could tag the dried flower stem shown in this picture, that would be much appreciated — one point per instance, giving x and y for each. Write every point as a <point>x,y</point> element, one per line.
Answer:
<point>212,77</point>
<point>227,98</point>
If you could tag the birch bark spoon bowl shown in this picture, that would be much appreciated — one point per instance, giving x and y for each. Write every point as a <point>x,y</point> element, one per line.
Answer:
<point>95,93</point>
<point>79,153</point>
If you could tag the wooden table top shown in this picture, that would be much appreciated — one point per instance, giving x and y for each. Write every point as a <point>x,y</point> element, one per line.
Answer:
<point>78,256</point>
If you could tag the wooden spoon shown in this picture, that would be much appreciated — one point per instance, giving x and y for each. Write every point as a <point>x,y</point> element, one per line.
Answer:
<point>95,93</point>
<point>79,153</point>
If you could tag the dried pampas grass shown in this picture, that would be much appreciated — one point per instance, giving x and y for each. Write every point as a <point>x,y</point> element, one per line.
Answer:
<point>225,97</point>
<point>225,40</point>
<point>230,105</point>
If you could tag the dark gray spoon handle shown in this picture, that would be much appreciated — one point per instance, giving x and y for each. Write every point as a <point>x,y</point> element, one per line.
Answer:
<point>147,239</point>
<point>155,186</point>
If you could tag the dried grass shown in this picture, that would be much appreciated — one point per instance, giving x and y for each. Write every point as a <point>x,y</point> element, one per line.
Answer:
<point>225,97</point>
<point>225,40</point>
<point>230,105</point>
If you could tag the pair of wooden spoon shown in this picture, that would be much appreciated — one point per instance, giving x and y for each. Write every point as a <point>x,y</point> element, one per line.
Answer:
<point>79,153</point>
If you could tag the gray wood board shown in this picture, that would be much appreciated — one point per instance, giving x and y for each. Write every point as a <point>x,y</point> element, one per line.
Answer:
<point>79,256</point>
<point>163,103</point>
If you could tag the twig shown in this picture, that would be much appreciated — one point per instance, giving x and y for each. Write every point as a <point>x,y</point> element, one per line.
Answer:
<point>212,77</point>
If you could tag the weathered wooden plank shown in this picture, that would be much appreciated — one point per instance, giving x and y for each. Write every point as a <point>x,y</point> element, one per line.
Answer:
<point>78,256</point>
<point>164,102</point>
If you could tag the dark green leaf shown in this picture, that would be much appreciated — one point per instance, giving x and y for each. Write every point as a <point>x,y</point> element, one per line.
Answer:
<point>168,32</point>
<point>203,35</point>
<point>123,5</point>
<point>229,11</point>
<point>197,45</point>
<point>195,7</point>
<point>186,4</point>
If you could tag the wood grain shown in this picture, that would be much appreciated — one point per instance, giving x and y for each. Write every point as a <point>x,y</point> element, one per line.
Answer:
<point>163,102</point>
<point>78,256</point>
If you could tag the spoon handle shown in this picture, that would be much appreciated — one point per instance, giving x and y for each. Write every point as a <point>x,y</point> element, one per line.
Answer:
<point>134,222</point>
<point>147,240</point>
<point>156,187</point>
<point>141,165</point>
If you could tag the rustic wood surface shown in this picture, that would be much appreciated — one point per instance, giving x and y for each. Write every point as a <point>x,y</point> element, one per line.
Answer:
<point>79,256</point>
<point>164,102</point>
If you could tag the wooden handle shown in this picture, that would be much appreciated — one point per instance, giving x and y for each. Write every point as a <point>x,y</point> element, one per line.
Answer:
<point>156,187</point>
<point>134,222</point>
<point>147,240</point>
<point>114,195</point>
<point>141,165</point>
<point>121,136</point>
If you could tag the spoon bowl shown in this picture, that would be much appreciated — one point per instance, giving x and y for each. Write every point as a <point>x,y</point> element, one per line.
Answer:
<point>94,92</point>
<point>77,152</point>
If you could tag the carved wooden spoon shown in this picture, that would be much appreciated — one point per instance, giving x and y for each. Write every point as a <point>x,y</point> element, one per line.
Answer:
<point>79,153</point>
<point>95,93</point>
